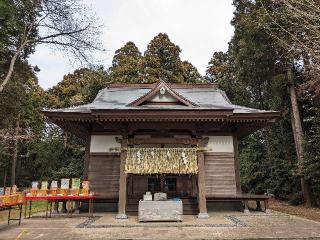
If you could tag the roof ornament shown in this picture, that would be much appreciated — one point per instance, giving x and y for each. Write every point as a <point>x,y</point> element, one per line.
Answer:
<point>162,91</point>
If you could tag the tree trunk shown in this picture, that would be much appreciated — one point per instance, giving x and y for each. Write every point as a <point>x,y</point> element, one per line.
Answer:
<point>294,133</point>
<point>298,136</point>
<point>14,155</point>
<point>65,140</point>
<point>11,66</point>
<point>5,177</point>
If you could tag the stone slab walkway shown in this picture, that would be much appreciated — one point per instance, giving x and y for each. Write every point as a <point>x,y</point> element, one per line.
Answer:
<point>221,225</point>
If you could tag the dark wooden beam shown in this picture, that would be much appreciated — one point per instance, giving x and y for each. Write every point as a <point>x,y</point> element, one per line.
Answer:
<point>87,157</point>
<point>162,140</point>
<point>81,130</point>
<point>143,115</point>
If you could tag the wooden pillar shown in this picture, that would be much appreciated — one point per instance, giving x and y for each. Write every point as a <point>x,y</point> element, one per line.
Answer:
<point>201,187</point>
<point>122,182</point>
<point>87,157</point>
<point>237,164</point>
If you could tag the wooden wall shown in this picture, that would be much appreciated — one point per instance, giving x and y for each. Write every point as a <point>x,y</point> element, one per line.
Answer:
<point>186,185</point>
<point>220,174</point>
<point>103,174</point>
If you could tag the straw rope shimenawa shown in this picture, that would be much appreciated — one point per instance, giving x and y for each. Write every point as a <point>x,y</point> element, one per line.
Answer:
<point>161,160</point>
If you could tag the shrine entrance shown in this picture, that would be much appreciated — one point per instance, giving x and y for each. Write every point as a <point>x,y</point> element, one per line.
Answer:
<point>166,184</point>
<point>177,171</point>
<point>174,185</point>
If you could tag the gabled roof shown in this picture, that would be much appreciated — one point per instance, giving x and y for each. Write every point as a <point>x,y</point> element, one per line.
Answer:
<point>202,105</point>
<point>131,102</point>
<point>162,88</point>
<point>131,96</point>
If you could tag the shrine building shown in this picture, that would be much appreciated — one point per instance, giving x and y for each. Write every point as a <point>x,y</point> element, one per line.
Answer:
<point>180,139</point>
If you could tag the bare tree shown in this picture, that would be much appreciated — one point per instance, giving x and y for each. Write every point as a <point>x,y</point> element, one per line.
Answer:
<point>295,24</point>
<point>66,25</point>
<point>12,137</point>
<point>296,27</point>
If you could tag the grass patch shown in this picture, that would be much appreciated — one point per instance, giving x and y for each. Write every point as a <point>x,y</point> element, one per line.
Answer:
<point>37,206</point>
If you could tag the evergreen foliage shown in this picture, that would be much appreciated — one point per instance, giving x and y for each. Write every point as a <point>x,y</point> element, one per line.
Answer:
<point>127,65</point>
<point>161,60</point>
<point>253,73</point>
<point>190,73</point>
<point>77,88</point>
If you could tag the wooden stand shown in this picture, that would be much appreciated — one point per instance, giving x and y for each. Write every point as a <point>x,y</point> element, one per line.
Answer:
<point>51,199</point>
<point>11,207</point>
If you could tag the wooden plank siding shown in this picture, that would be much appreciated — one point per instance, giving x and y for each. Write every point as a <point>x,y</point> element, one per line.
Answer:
<point>103,174</point>
<point>220,174</point>
<point>104,168</point>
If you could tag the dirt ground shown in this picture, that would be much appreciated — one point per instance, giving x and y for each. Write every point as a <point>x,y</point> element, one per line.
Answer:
<point>300,211</point>
<point>220,225</point>
<point>283,222</point>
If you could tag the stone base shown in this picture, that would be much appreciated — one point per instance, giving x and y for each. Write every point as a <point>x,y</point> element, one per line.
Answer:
<point>203,216</point>
<point>160,211</point>
<point>246,211</point>
<point>121,216</point>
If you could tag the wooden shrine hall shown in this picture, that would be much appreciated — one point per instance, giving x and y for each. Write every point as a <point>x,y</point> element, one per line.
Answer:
<point>180,139</point>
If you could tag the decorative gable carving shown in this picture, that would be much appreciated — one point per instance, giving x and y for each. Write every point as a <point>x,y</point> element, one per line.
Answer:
<point>162,94</point>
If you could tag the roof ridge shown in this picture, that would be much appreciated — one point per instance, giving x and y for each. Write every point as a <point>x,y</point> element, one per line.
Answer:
<point>224,95</point>
<point>172,85</point>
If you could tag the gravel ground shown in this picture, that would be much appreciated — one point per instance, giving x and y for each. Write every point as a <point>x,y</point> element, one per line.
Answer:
<point>253,226</point>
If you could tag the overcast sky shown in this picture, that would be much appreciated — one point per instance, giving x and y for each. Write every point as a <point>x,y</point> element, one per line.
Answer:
<point>199,27</point>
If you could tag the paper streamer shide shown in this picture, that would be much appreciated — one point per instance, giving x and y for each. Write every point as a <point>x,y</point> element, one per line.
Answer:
<point>161,160</point>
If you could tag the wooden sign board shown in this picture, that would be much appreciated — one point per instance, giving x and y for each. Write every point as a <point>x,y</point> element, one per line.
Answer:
<point>35,185</point>
<point>75,183</point>
<point>65,183</point>
<point>85,184</point>
<point>7,191</point>
<point>44,185</point>
<point>85,188</point>
<point>14,189</point>
<point>54,185</point>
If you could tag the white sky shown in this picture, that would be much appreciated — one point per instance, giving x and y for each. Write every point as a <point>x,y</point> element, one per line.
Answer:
<point>199,27</point>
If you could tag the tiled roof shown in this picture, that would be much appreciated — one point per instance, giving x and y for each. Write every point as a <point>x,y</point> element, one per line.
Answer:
<point>119,98</point>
